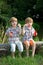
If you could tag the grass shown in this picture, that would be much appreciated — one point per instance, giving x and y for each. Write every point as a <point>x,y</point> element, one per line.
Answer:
<point>8,60</point>
<point>37,60</point>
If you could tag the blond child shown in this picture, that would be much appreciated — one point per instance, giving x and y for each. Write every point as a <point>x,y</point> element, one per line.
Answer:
<point>13,33</point>
<point>29,32</point>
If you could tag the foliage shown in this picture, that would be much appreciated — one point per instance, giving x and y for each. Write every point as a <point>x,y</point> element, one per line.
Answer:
<point>20,9</point>
<point>36,26</point>
<point>36,38</point>
<point>17,8</point>
<point>39,4</point>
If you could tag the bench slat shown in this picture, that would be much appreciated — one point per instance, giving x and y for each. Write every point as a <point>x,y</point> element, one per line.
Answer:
<point>39,42</point>
<point>3,49</point>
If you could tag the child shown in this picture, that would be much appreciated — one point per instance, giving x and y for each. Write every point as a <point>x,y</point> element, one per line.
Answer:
<point>29,32</point>
<point>13,33</point>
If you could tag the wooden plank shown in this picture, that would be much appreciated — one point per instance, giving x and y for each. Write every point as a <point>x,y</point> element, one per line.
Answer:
<point>3,49</point>
<point>39,42</point>
<point>7,46</point>
<point>4,45</point>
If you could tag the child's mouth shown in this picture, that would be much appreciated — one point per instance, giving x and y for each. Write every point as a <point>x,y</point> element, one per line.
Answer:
<point>29,25</point>
<point>11,32</point>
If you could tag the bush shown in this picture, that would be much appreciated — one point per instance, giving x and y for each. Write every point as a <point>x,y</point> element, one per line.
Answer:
<point>36,38</point>
<point>36,26</point>
<point>21,22</point>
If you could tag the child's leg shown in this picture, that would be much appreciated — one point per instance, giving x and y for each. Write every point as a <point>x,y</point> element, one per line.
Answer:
<point>12,54</point>
<point>20,47</point>
<point>13,46</point>
<point>27,47</point>
<point>33,48</point>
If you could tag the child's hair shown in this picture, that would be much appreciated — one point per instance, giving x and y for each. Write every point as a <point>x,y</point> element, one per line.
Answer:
<point>28,19</point>
<point>13,19</point>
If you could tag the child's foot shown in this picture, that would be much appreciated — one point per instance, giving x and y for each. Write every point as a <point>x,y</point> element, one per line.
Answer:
<point>32,55</point>
<point>20,55</point>
<point>27,55</point>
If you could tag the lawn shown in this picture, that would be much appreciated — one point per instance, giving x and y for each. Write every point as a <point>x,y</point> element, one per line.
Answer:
<point>8,60</point>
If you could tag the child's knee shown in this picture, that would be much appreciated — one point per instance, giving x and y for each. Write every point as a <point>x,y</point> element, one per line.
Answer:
<point>21,49</point>
<point>26,43</point>
<point>32,42</point>
<point>20,46</point>
<point>34,45</point>
<point>13,46</point>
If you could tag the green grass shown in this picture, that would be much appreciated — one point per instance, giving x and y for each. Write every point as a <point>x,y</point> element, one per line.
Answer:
<point>37,60</point>
<point>21,61</point>
<point>8,60</point>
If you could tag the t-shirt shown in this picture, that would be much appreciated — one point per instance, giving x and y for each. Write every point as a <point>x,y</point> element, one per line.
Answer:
<point>15,33</point>
<point>28,33</point>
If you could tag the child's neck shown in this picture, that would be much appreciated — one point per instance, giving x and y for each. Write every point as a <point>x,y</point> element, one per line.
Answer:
<point>14,26</point>
<point>29,27</point>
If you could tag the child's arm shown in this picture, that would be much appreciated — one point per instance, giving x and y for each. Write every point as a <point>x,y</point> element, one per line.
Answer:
<point>20,31</point>
<point>23,31</point>
<point>19,25</point>
<point>34,32</point>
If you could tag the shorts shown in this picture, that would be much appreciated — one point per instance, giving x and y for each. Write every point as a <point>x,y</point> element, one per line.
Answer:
<point>30,42</point>
<point>19,45</point>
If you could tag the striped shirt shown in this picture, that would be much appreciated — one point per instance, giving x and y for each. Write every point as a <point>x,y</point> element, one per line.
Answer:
<point>28,33</point>
<point>15,33</point>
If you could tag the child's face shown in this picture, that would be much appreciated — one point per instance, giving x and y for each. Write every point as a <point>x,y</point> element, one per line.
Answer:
<point>30,24</point>
<point>14,23</point>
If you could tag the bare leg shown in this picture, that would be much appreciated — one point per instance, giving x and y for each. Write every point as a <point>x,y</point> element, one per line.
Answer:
<point>33,48</point>
<point>27,47</point>
<point>19,54</point>
<point>13,54</point>
<point>13,47</point>
<point>27,51</point>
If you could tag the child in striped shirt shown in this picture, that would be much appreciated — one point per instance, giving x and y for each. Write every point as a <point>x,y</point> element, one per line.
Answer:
<point>13,33</point>
<point>29,32</point>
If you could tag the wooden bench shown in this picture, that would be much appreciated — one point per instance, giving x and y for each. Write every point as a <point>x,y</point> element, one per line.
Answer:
<point>4,48</point>
<point>39,47</point>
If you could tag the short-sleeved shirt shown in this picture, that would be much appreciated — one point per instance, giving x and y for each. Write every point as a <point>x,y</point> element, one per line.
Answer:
<point>15,31</point>
<point>28,33</point>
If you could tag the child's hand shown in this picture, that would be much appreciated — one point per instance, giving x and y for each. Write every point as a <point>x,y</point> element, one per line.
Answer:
<point>19,25</point>
<point>10,34</point>
<point>35,33</point>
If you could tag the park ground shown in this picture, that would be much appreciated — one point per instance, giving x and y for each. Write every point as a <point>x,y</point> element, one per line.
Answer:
<point>8,60</point>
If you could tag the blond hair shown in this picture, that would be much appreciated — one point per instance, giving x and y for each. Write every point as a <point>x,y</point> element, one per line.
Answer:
<point>13,19</point>
<point>28,19</point>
